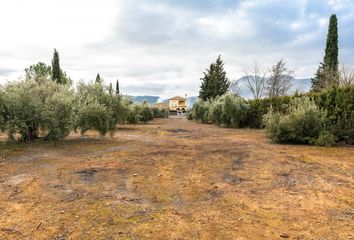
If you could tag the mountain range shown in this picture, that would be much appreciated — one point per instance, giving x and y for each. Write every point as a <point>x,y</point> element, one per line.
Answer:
<point>299,85</point>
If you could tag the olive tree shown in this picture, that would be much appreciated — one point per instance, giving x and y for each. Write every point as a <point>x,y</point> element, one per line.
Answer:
<point>96,108</point>
<point>36,108</point>
<point>2,111</point>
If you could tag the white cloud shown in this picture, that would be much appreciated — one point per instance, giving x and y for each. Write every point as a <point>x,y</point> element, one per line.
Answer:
<point>162,47</point>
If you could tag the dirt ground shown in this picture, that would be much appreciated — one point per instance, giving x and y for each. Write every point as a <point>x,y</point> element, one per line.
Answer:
<point>174,179</point>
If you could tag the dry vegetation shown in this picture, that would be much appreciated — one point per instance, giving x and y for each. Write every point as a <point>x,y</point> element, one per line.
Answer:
<point>174,179</point>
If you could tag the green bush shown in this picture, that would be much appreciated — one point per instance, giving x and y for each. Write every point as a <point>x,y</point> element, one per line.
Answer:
<point>97,108</point>
<point>338,103</point>
<point>93,116</point>
<point>133,114</point>
<point>2,111</point>
<point>325,138</point>
<point>228,110</point>
<point>259,107</point>
<point>160,113</point>
<point>35,108</point>
<point>200,111</point>
<point>145,113</point>
<point>59,118</point>
<point>303,123</point>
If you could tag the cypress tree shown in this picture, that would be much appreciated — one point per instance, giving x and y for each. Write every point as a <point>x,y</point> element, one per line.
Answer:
<point>110,89</point>
<point>56,71</point>
<point>327,73</point>
<point>331,53</point>
<point>117,87</point>
<point>215,82</point>
<point>98,78</point>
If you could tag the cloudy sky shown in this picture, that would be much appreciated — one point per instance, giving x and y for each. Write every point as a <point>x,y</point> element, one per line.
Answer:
<point>160,47</point>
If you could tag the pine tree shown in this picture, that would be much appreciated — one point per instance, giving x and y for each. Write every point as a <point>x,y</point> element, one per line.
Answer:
<point>327,73</point>
<point>56,71</point>
<point>98,78</point>
<point>215,82</point>
<point>117,87</point>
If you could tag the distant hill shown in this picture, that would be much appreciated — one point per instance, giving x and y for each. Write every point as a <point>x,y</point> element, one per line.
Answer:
<point>191,101</point>
<point>149,99</point>
<point>240,86</point>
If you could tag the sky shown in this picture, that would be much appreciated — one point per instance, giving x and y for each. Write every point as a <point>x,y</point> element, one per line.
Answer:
<point>162,47</point>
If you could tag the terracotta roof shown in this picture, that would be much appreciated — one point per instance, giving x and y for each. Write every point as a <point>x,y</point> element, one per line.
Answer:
<point>178,98</point>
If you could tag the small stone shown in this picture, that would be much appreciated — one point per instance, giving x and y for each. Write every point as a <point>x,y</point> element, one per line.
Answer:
<point>62,212</point>
<point>284,235</point>
<point>135,175</point>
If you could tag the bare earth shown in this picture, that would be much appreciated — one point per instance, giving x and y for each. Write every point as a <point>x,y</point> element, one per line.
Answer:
<point>174,179</point>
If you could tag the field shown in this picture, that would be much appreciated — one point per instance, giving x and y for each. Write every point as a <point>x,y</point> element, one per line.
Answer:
<point>174,179</point>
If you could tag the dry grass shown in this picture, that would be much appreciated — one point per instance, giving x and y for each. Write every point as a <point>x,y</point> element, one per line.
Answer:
<point>173,179</point>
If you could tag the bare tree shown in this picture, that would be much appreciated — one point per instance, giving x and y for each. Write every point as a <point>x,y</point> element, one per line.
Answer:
<point>255,77</point>
<point>235,87</point>
<point>279,82</point>
<point>346,76</point>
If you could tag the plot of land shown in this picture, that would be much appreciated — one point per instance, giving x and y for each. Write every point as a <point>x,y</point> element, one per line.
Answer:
<point>174,179</point>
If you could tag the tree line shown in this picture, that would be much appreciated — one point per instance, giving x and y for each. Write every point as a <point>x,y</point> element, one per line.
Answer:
<point>46,105</point>
<point>277,81</point>
<point>323,116</point>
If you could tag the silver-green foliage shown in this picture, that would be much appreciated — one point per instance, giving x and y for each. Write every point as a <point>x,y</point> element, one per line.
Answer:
<point>2,110</point>
<point>303,123</point>
<point>37,107</point>
<point>96,108</point>
<point>200,111</point>
<point>228,110</point>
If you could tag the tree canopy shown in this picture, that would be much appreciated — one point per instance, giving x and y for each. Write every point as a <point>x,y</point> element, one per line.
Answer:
<point>215,82</point>
<point>327,74</point>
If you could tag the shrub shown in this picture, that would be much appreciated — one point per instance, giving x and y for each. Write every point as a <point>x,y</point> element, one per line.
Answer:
<point>338,103</point>
<point>228,110</point>
<point>2,111</point>
<point>58,117</point>
<point>93,116</point>
<point>325,138</point>
<point>200,111</point>
<point>97,108</point>
<point>145,113</point>
<point>37,107</point>
<point>160,113</point>
<point>259,107</point>
<point>133,114</point>
<point>304,123</point>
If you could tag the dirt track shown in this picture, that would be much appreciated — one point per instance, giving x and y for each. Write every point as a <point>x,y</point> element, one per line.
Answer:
<point>173,179</point>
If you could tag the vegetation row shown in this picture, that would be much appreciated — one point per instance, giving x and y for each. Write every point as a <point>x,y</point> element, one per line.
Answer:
<point>324,116</point>
<point>45,105</point>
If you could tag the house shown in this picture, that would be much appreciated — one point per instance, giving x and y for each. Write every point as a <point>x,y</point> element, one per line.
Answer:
<point>177,104</point>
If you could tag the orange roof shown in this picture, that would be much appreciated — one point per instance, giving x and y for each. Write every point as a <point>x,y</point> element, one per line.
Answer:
<point>178,98</point>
